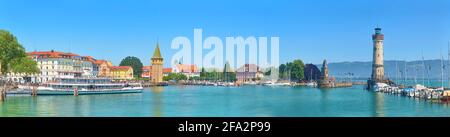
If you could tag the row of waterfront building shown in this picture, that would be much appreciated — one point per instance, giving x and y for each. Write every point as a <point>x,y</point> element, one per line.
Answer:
<point>55,64</point>
<point>247,72</point>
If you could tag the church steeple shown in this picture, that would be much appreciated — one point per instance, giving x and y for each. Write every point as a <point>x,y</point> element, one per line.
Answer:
<point>157,52</point>
<point>157,66</point>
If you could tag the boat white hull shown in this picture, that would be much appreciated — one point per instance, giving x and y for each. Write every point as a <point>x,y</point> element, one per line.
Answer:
<point>87,92</point>
<point>311,84</point>
<point>278,84</point>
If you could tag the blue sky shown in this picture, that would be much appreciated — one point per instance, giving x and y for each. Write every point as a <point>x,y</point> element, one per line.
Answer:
<point>312,30</point>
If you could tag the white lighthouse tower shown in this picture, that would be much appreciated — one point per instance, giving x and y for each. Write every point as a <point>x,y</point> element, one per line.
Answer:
<point>378,55</point>
<point>378,60</point>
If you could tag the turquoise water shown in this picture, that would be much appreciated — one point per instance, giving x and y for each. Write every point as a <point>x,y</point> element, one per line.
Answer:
<point>245,101</point>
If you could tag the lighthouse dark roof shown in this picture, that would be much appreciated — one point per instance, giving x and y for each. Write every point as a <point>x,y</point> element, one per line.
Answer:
<point>378,35</point>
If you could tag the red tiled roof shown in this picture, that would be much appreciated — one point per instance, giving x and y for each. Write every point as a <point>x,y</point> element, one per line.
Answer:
<point>146,67</point>
<point>146,71</point>
<point>70,54</point>
<point>167,70</point>
<point>149,68</point>
<point>98,62</point>
<point>57,54</point>
<point>51,53</point>
<point>120,67</point>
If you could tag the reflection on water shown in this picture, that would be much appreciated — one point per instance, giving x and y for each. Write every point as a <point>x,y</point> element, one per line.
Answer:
<point>379,104</point>
<point>324,99</point>
<point>157,101</point>
<point>157,89</point>
<point>77,109</point>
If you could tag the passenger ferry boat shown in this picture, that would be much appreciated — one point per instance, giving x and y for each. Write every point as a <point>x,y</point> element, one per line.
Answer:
<point>85,86</point>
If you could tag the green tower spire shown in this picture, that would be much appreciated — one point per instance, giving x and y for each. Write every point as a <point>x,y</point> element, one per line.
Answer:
<point>157,53</point>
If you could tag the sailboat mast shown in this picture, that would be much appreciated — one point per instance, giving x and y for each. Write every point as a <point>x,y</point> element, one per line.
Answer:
<point>442,71</point>
<point>289,75</point>
<point>406,74</point>
<point>396,70</point>
<point>448,63</point>
<point>424,69</point>
<point>415,73</point>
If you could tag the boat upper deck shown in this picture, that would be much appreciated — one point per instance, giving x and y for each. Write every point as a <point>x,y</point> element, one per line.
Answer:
<point>88,82</point>
<point>85,80</point>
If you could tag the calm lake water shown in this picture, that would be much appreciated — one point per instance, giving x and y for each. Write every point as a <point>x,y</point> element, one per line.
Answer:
<point>245,101</point>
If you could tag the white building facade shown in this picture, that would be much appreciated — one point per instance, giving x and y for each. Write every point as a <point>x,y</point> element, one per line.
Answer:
<point>54,65</point>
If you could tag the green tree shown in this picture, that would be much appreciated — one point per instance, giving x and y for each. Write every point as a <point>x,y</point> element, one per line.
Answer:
<point>135,63</point>
<point>203,73</point>
<point>282,71</point>
<point>293,70</point>
<point>267,73</point>
<point>297,70</point>
<point>194,78</point>
<point>214,76</point>
<point>25,66</point>
<point>181,77</point>
<point>175,76</point>
<point>166,78</point>
<point>13,57</point>
<point>230,77</point>
<point>228,74</point>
